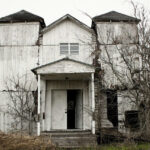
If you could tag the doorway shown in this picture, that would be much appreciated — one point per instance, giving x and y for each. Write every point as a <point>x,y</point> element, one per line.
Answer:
<point>67,109</point>
<point>112,107</point>
<point>74,109</point>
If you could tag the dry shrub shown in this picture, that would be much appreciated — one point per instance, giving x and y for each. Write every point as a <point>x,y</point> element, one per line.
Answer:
<point>25,142</point>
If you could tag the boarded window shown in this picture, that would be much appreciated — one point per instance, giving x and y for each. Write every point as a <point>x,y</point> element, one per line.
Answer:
<point>132,119</point>
<point>64,48</point>
<point>74,48</point>
<point>69,48</point>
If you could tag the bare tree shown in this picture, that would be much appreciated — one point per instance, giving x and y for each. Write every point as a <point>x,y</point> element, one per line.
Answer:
<point>123,63</point>
<point>21,103</point>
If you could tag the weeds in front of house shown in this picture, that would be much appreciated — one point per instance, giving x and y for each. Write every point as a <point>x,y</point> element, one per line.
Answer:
<point>24,142</point>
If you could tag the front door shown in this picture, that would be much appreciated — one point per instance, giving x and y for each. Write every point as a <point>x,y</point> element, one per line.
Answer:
<point>59,108</point>
<point>79,110</point>
<point>66,109</point>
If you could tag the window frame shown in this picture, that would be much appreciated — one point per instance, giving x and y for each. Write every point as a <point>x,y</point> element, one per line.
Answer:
<point>132,119</point>
<point>70,51</point>
<point>62,45</point>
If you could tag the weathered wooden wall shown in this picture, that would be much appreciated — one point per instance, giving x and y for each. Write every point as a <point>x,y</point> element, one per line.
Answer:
<point>119,32</point>
<point>116,38</point>
<point>101,108</point>
<point>66,32</point>
<point>19,34</point>
<point>18,55</point>
<point>20,52</point>
<point>116,72</point>
<point>65,66</point>
<point>126,102</point>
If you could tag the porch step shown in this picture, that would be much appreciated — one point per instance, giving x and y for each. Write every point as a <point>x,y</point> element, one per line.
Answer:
<point>71,139</point>
<point>67,133</point>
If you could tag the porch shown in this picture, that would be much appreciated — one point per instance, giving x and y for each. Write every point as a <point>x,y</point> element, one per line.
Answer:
<point>66,96</point>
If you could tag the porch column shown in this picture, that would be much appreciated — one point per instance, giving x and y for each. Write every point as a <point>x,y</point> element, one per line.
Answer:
<point>43,92</point>
<point>38,109</point>
<point>93,102</point>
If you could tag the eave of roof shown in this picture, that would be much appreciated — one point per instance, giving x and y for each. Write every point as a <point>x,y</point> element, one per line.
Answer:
<point>114,16</point>
<point>67,16</point>
<point>22,16</point>
<point>66,58</point>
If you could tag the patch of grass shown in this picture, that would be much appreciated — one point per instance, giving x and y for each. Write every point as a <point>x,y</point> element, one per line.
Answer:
<point>126,147</point>
<point>144,146</point>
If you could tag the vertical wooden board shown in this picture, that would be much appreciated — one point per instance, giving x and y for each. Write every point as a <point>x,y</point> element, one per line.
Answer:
<point>79,110</point>
<point>123,32</point>
<point>67,32</point>
<point>19,33</point>
<point>1,121</point>
<point>17,61</point>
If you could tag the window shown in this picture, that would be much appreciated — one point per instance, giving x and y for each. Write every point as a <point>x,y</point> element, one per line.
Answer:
<point>74,48</point>
<point>64,48</point>
<point>69,48</point>
<point>132,119</point>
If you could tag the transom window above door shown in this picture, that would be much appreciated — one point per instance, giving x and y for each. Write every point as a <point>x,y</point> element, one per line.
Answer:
<point>69,48</point>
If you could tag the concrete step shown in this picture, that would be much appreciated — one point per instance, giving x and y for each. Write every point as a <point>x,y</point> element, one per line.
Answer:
<point>67,133</point>
<point>71,139</point>
<point>74,141</point>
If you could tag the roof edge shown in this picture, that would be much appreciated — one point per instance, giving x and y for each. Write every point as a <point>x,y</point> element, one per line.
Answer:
<point>17,18</point>
<point>132,19</point>
<point>50,26</point>
<point>65,58</point>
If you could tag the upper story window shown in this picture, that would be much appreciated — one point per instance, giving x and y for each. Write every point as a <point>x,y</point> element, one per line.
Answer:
<point>69,48</point>
<point>64,48</point>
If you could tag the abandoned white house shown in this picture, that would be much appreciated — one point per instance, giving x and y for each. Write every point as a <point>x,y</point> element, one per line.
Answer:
<point>59,59</point>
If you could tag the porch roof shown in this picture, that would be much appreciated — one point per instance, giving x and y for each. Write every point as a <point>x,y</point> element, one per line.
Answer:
<point>64,66</point>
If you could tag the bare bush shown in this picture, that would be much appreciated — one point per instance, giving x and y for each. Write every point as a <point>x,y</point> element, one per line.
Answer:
<point>21,103</point>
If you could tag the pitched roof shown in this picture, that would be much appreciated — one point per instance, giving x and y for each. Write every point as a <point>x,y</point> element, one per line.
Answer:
<point>67,16</point>
<point>54,62</point>
<point>115,17</point>
<point>22,16</point>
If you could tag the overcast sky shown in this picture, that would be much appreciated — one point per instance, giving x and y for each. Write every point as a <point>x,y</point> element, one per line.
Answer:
<point>51,10</point>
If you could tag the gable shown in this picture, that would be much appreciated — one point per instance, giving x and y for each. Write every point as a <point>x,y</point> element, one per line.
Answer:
<point>64,66</point>
<point>66,31</point>
<point>67,17</point>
